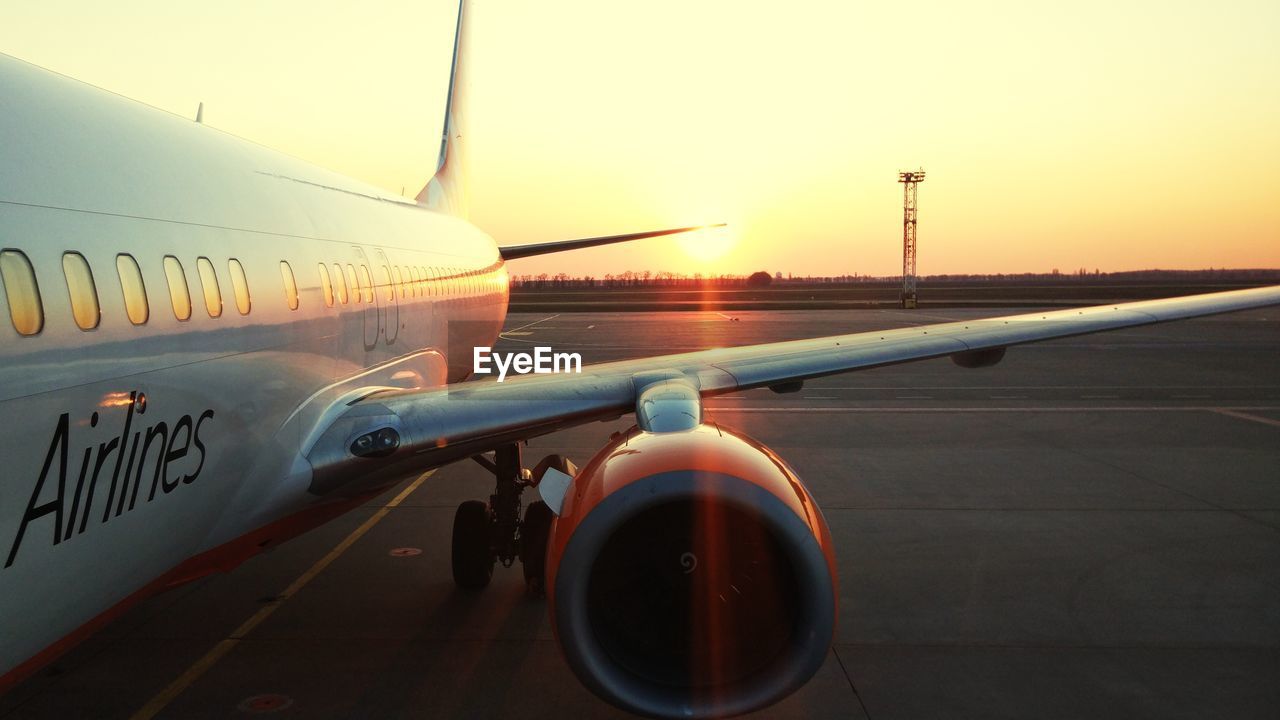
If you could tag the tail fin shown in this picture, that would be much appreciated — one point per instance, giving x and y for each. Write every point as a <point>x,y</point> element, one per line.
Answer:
<point>447,189</point>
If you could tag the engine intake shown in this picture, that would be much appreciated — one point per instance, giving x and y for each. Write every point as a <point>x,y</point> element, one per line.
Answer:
<point>690,575</point>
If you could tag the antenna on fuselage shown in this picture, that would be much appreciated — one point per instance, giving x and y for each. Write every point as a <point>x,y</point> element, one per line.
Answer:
<point>200,114</point>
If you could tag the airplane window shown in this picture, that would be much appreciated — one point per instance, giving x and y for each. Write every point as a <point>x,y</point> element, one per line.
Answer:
<point>399,280</point>
<point>290,285</point>
<point>22,291</point>
<point>386,282</point>
<point>354,283</point>
<point>340,282</point>
<point>209,284</point>
<point>367,283</point>
<point>135,292</point>
<point>327,285</point>
<point>240,284</point>
<point>84,294</point>
<point>178,292</point>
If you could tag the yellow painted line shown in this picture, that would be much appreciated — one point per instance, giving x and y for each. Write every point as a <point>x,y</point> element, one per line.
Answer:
<point>535,322</point>
<point>211,658</point>
<point>1247,416</point>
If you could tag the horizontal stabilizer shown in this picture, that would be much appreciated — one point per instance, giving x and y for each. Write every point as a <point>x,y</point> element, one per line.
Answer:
<point>511,252</point>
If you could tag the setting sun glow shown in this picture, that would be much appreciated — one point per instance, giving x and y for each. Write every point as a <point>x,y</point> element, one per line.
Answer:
<point>1111,135</point>
<point>707,245</point>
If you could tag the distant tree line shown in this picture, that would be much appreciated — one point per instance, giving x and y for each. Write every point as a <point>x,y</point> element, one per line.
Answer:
<point>631,279</point>
<point>663,279</point>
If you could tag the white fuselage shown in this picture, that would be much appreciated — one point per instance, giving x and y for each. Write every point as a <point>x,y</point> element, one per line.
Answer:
<point>104,494</point>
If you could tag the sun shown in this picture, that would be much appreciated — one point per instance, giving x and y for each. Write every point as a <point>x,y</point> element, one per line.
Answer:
<point>708,244</point>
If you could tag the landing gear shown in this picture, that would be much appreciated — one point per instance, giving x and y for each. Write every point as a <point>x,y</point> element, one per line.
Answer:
<point>486,534</point>
<point>534,532</point>
<point>472,558</point>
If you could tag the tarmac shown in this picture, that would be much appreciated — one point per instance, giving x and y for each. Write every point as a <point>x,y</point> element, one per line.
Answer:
<point>1090,529</point>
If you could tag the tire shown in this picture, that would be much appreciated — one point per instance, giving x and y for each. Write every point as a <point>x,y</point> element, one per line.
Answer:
<point>472,558</point>
<point>534,532</point>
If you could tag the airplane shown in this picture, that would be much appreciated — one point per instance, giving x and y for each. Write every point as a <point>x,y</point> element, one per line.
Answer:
<point>210,348</point>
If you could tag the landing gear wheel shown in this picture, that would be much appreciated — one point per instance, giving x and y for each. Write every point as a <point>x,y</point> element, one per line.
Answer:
<point>472,557</point>
<point>534,532</point>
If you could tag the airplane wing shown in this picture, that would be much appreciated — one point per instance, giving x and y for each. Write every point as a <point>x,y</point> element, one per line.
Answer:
<point>427,428</point>
<point>511,252</point>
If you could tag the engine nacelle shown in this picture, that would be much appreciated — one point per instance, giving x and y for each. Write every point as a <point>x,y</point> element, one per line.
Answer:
<point>691,574</point>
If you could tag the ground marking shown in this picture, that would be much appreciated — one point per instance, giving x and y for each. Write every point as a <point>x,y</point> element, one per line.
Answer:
<point>911,315</point>
<point>535,322</point>
<point>1247,416</point>
<point>201,666</point>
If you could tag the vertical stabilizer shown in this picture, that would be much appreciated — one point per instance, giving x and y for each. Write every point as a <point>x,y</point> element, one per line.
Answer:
<point>447,189</point>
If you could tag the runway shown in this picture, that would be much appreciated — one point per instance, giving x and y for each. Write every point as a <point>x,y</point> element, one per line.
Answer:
<point>1090,528</point>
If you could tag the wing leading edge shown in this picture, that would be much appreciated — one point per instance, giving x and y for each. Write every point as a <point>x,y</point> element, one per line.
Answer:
<point>441,425</point>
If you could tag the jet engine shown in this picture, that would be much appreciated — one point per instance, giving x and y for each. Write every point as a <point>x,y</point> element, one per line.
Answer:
<point>690,574</point>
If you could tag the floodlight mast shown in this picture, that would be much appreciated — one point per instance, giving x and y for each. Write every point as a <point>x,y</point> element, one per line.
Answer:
<point>910,180</point>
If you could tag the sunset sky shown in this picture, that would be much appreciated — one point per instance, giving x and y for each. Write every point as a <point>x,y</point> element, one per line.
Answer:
<point>1111,135</point>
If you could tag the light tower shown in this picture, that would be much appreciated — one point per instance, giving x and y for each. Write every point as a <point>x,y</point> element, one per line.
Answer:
<point>909,182</point>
